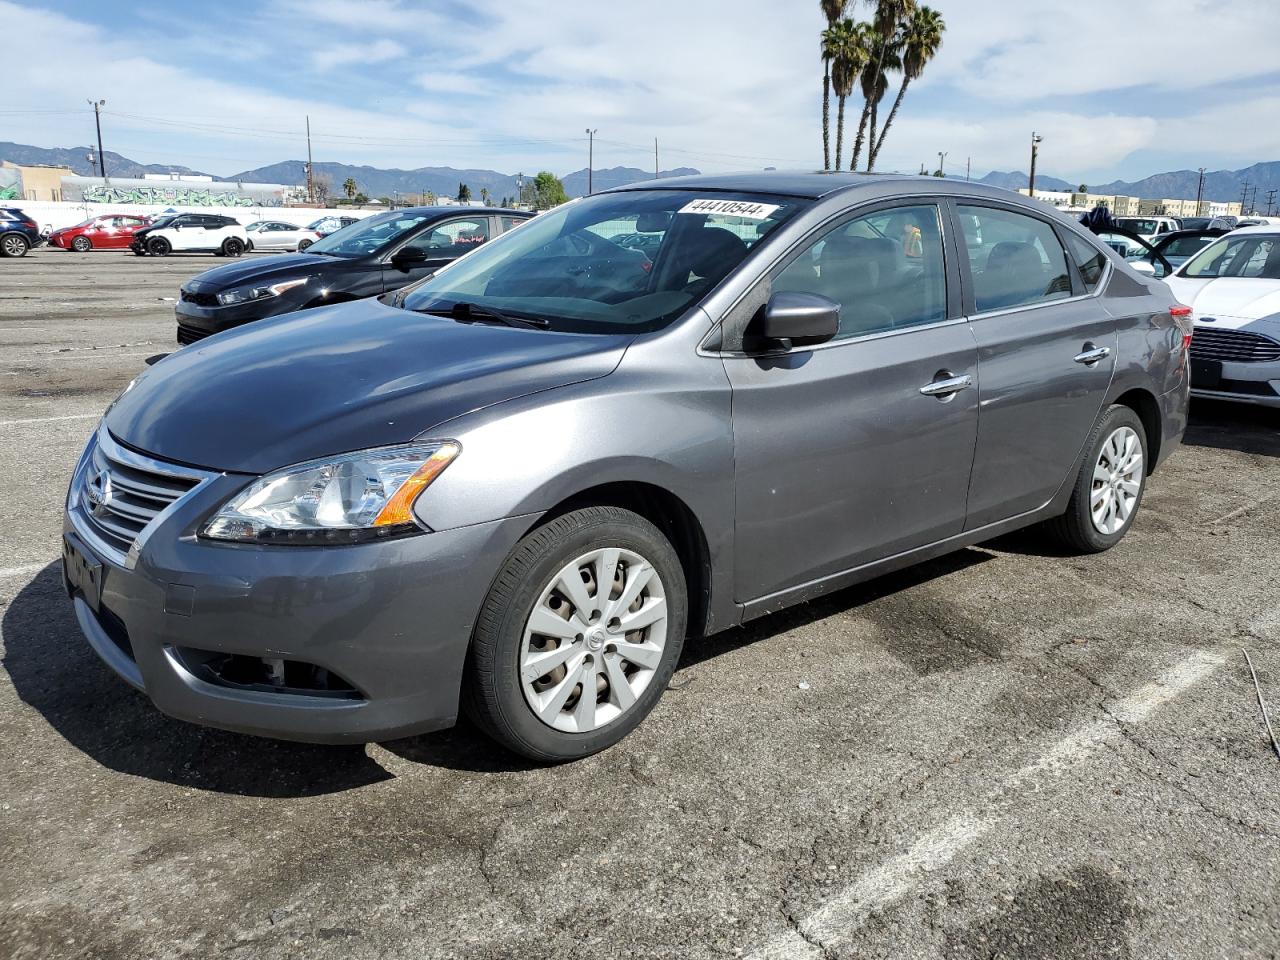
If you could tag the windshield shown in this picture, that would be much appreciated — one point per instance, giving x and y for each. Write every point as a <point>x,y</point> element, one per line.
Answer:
<point>162,221</point>
<point>1253,255</point>
<point>633,260</point>
<point>1137,225</point>
<point>369,235</point>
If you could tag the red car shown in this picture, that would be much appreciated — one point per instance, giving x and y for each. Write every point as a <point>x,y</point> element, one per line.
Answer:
<point>108,232</point>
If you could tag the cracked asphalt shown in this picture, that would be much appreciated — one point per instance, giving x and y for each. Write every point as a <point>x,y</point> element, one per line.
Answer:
<point>1003,753</point>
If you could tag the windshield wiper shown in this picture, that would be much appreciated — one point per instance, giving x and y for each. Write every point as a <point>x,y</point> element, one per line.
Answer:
<point>465,312</point>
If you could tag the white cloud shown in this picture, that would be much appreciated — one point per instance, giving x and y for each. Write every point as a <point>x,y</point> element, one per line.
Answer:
<point>342,54</point>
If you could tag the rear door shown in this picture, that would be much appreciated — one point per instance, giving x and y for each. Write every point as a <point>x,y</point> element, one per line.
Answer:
<point>1046,355</point>
<point>859,448</point>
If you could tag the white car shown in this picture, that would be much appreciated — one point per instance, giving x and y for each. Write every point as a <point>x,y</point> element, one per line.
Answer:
<point>278,235</point>
<point>190,233</point>
<point>1233,289</point>
<point>1148,228</point>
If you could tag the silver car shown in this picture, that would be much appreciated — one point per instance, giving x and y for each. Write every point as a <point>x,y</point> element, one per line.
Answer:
<point>518,486</point>
<point>279,235</point>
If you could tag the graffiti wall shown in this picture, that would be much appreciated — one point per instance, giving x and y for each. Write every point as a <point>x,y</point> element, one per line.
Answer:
<point>186,196</point>
<point>10,184</point>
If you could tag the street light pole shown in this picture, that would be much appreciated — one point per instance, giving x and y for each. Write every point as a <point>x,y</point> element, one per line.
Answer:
<point>97,121</point>
<point>591,140</point>
<point>942,159</point>
<point>1035,148</point>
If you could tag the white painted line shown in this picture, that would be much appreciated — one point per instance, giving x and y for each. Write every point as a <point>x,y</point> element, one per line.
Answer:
<point>76,416</point>
<point>22,571</point>
<point>900,875</point>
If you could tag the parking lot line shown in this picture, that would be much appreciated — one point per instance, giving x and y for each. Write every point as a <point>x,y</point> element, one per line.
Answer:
<point>824,929</point>
<point>76,416</point>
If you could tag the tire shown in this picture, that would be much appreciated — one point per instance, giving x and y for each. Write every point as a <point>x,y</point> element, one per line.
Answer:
<point>81,244</point>
<point>159,247</point>
<point>248,246</point>
<point>14,245</point>
<point>1109,478</point>
<point>499,690</point>
<point>232,247</point>
<point>303,244</point>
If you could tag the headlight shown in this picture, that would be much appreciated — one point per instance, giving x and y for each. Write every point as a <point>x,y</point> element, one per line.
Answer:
<point>360,496</point>
<point>245,294</point>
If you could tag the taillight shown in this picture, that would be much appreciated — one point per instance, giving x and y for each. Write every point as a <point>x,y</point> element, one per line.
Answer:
<point>1179,310</point>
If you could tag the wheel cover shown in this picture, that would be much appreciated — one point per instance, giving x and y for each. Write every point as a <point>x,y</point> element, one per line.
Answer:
<point>1117,481</point>
<point>14,246</point>
<point>80,243</point>
<point>587,655</point>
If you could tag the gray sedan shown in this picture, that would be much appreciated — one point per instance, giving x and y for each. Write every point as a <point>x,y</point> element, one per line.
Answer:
<point>518,486</point>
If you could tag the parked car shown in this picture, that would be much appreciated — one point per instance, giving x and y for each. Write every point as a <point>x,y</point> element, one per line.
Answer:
<point>191,233</point>
<point>1194,223</point>
<point>1148,228</point>
<point>1181,245</point>
<point>346,524</point>
<point>278,235</point>
<point>371,256</point>
<point>107,232</point>
<point>332,224</point>
<point>1233,288</point>
<point>18,232</point>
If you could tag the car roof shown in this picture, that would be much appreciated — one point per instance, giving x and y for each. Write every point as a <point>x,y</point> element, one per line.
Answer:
<point>1259,228</point>
<point>441,210</point>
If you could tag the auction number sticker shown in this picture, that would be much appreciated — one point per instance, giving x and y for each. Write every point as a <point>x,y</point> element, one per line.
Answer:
<point>730,208</point>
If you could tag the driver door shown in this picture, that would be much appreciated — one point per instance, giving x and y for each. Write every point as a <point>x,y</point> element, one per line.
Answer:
<point>440,244</point>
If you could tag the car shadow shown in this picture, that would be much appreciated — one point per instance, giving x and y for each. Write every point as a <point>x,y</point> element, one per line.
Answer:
<point>54,671</point>
<point>1234,426</point>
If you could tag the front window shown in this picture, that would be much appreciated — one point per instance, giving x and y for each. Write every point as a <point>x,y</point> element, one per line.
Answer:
<point>368,235</point>
<point>1256,256</point>
<point>617,262</point>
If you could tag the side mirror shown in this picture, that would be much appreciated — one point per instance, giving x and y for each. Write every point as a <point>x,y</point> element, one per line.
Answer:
<point>407,257</point>
<point>792,318</point>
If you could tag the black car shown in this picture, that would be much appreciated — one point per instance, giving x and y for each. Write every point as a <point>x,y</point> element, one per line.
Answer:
<point>18,232</point>
<point>372,256</point>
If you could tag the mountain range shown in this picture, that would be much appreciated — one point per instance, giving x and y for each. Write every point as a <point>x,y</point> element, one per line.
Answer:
<point>1222,185</point>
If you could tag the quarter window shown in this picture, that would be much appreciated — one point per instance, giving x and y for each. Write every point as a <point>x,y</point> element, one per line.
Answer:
<point>1089,260</point>
<point>1015,260</point>
<point>885,269</point>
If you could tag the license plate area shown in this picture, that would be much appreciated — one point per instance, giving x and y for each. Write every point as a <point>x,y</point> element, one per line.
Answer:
<point>1206,374</point>
<point>82,569</point>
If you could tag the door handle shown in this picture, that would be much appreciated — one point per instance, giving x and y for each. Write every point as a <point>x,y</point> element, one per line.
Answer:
<point>1092,354</point>
<point>946,386</point>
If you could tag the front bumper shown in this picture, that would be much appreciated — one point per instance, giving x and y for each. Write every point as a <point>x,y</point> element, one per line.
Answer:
<point>197,321</point>
<point>393,619</point>
<point>1245,383</point>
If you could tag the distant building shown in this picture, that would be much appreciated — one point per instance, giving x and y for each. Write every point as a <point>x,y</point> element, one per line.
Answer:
<point>31,181</point>
<point>1126,206</point>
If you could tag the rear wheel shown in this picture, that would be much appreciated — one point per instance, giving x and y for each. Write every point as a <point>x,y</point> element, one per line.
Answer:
<point>579,635</point>
<point>232,247</point>
<point>1109,487</point>
<point>14,245</point>
<point>159,247</point>
<point>303,244</point>
<point>81,245</point>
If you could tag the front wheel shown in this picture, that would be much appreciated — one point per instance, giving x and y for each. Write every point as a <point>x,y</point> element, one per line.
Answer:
<point>81,245</point>
<point>158,247</point>
<point>232,247</point>
<point>578,636</point>
<point>14,245</point>
<point>303,244</point>
<point>1109,487</point>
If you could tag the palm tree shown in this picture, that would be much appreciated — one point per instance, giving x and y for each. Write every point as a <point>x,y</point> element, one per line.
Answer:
<point>833,10</point>
<point>845,45</point>
<point>888,19</point>
<point>350,187</point>
<point>921,39</point>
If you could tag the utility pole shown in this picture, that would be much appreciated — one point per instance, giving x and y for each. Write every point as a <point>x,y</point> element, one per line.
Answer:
<point>1271,200</point>
<point>97,120</point>
<point>942,159</point>
<point>1035,149</point>
<point>968,166</point>
<point>1244,195</point>
<point>311,193</point>
<point>1200,192</point>
<point>591,140</point>
<point>656,172</point>
<point>1253,201</point>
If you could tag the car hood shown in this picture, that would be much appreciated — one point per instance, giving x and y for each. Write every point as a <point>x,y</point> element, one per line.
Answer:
<point>341,378</point>
<point>257,269</point>
<point>1231,301</point>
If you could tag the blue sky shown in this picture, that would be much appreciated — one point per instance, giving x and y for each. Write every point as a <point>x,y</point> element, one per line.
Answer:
<point>1116,89</point>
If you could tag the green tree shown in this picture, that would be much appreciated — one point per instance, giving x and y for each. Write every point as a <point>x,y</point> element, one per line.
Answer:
<point>350,188</point>
<point>833,10</point>
<point>464,193</point>
<point>884,43</point>
<point>484,195</point>
<point>920,38</point>
<point>845,45</point>
<point>1083,188</point>
<point>360,198</point>
<point>429,200</point>
<point>548,191</point>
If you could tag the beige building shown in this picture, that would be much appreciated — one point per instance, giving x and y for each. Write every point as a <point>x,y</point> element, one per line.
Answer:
<point>1125,206</point>
<point>39,182</point>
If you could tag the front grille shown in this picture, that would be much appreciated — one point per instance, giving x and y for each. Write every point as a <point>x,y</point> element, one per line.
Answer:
<point>121,492</point>
<point>1233,346</point>
<point>199,299</point>
<point>189,334</point>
